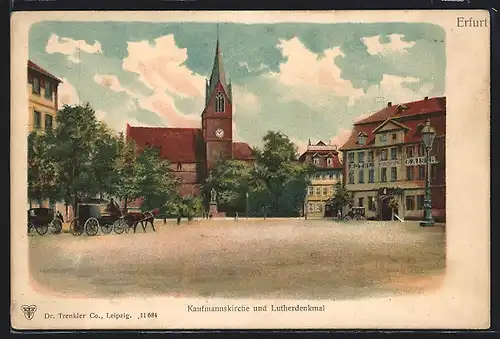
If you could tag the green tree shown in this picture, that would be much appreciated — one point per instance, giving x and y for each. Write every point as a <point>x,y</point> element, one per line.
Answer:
<point>231,179</point>
<point>125,164</point>
<point>342,197</point>
<point>155,181</point>
<point>42,167</point>
<point>104,160</point>
<point>279,172</point>
<point>75,133</point>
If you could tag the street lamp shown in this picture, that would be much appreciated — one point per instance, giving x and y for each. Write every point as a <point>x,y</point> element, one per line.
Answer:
<point>428,135</point>
<point>247,204</point>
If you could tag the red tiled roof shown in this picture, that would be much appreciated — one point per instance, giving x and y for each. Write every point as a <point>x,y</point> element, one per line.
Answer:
<point>429,105</point>
<point>417,113</point>
<point>242,151</point>
<point>176,144</point>
<point>412,135</point>
<point>39,69</point>
<point>337,164</point>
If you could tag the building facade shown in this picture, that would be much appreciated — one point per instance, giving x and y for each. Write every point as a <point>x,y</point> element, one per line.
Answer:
<point>192,152</point>
<point>327,173</point>
<point>385,164</point>
<point>43,98</point>
<point>42,108</point>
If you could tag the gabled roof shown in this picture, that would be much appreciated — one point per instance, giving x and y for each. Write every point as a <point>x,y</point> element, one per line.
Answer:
<point>176,144</point>
<point>385,123</point>
<point>38,69</point>
<point>429,105</point>
<point>242,151</point>
<point>412,135</point>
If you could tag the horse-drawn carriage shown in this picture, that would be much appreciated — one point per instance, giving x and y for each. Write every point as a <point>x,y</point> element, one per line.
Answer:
<point>91,216</point>
<point>132,218</point>
<point>40,219</point>
<point>87,219</point>
<point>356,213</point>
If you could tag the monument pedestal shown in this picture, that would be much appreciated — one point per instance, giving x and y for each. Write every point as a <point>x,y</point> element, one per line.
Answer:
<point>214,213</point>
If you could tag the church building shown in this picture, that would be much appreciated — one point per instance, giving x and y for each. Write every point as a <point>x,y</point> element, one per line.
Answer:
<point>192,152</point>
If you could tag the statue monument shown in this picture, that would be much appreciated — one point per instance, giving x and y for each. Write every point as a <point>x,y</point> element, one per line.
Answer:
<point>213,202</point>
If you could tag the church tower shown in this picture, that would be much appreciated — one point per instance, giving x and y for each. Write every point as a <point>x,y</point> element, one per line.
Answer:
<point>217,117</point>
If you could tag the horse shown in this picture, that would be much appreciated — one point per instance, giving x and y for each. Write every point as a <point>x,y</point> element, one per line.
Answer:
<point>134,218</point>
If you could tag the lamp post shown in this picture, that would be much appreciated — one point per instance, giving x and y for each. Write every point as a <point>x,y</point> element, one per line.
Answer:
<point>428,135</point>
<point>246,194</point>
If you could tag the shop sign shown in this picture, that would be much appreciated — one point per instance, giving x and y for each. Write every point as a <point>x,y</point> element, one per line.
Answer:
<point>419,161</point>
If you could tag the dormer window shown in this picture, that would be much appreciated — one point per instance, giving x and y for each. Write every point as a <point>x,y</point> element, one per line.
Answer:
<point>329,161</point>
<point>362,138</point>
<point>219,102</point>
<point>316,161</point>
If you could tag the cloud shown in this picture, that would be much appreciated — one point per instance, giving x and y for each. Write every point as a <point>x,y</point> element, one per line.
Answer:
<point>311,77</point>
<point>70,47</point>
<point>161,67</point>
<point>395,45</point>
<point>67,94</point>
<point>253,69</point>
<point>109,81</point>
<point>301,145</point>
<point>245,101</point>
<point>394,88</point>
<point>340,138</point>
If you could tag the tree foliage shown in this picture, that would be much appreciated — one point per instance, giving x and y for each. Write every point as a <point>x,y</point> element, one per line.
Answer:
<point>280,178</point>
<point>231,179</point>
<point>83,158</point>
<point>342,197</point>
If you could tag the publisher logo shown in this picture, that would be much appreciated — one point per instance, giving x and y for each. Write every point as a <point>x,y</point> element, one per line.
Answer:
<point>29,311</point>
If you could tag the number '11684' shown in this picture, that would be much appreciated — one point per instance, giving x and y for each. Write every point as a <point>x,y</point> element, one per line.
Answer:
<point>148,315</point>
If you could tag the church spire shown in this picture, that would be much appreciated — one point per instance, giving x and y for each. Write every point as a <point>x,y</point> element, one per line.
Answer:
<point>218,74</point>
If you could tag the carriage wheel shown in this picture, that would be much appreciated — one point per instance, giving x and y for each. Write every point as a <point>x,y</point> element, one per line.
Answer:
<point>106,228</point>
<point>57,224</point>
<point>31,227</point>
<point>42,229</point>
<point>119,226</point>
<point>347,217</point>
<point>91,226</point>
<point>75,227</point>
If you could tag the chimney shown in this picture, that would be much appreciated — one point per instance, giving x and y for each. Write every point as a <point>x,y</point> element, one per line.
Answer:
<point>389,104</point>
<point>426,98</point>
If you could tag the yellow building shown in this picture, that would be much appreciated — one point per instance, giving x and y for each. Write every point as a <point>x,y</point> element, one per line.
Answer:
<point>43,98</point>
<point>42,105</point>
<point>327,173</point>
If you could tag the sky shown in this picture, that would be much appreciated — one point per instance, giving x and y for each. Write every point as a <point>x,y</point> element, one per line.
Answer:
<point>309,81</point>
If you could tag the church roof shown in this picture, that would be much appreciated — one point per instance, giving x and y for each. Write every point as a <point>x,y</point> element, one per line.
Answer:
<point>183,145</point>
<point>175,144</point>
<point>242,151</point>
<point>218,73</point>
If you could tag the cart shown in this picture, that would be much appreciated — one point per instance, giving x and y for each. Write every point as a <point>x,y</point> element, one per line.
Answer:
<point>87,219</point>
<point>40,219</point>
<point>356,213</point>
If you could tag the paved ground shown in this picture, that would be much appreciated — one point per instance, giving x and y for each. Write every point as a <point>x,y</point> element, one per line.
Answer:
<point>249,258</point>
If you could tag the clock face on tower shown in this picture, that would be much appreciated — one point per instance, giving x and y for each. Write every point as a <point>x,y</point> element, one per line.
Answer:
<point>219,133</point>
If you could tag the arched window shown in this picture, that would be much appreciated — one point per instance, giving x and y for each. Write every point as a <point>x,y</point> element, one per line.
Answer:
<point>219,102</point>
<point>179,166</point>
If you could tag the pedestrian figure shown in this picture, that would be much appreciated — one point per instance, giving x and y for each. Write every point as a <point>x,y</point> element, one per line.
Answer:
<point>179,219</point>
